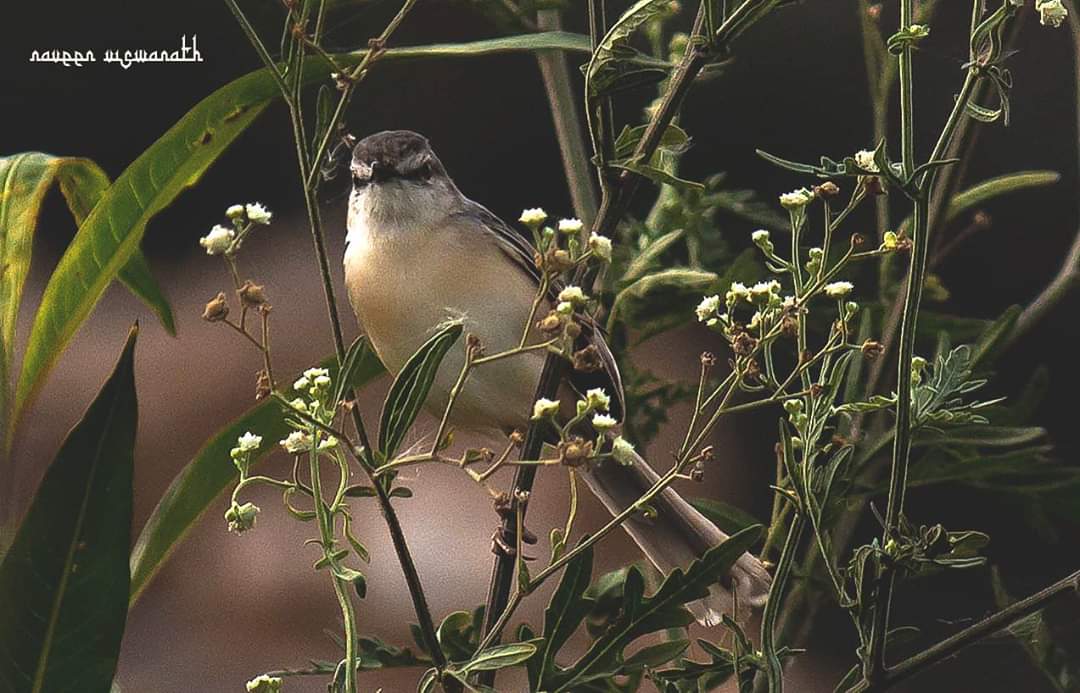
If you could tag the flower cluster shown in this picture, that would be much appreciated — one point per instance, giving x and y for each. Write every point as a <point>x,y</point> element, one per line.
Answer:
<point>224,240</point>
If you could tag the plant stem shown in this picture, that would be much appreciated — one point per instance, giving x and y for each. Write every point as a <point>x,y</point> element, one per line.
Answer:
<point>557,85</point>
<point>972,634</point>
<point>774,672</point>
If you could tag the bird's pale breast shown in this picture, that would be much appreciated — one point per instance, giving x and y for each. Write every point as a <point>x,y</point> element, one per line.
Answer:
<point>404,283</point>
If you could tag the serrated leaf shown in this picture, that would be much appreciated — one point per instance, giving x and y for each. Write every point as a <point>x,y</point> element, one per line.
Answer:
<point>613,54</point>
<point>566,609</point>
<point>657,175</point>
<point>411,387</point>
<point>651,254</point>
<point>64,581</point>
<point>209,473</point>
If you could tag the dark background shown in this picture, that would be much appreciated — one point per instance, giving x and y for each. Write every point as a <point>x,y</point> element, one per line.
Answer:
<point>227,608</point>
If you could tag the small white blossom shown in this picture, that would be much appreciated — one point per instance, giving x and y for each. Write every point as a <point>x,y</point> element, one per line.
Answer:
<point>328,443</point>
<point>796,198</point>
<point>299,404</point>
<point>604,422</point>
<point>321,382</point>
<point>708,308</point>
<point>623,451</point>
<point>570,226</point>
<point>564,308</point>
<point>264,684</point>
<point>601,246</point>
<point>314,373</point>
<point>257,213</point>
<point>760,236</point>
<point>762,290</point>
<point>598,399</point>
<point>248,442</point>
<point>1051,12</point>
<point>544,408</point>
<point>302,383</point>
<point>235,211</point>
<point>864,159</point>
<point>573,295</point>
<point>737,291</point>
<point>838,289</point>
<point>533,217</point>
<point>218,240</point>
<point>297,442</point>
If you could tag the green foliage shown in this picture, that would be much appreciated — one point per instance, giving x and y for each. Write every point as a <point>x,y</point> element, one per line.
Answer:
<point>64,581</point>
<point>637,615</point>
<point>24,180</point>
<point>615,64</point>
<point>208,474</point>
<point>411,386</point>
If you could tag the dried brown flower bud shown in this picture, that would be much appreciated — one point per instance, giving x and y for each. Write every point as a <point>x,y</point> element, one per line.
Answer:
<point>857,239</point>
<point>698,471</point>
<point>707,453</point>
<point>708,359</point>
<point>872,349</point>
<point>873,185</point>
<point>573,330</point>
<point>789,326</point>
<point>587,360</point>
<point>816,389</point>
<point>575,450</point>
<point>981,219</point>
<point>517,437</point>
<point>558,260</point>
<point>263,386</point>
<point>474,345</point>
<point>217,309</point>
<point>550,323</point>
<point>743,343</point>
<point>827,189</point>
<point>251,295</point>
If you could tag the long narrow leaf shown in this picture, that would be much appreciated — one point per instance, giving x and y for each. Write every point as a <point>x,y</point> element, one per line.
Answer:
<point>64,582</point>
<point>177,160</point>
<point>410,389</point>
<point>209,473</point>
<point>24,180</point>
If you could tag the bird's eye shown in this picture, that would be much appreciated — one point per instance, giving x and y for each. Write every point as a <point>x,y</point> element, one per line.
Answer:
<point>424,172</point>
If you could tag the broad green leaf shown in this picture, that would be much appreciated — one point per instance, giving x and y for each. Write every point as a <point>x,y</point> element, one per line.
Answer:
<point>410,389</point>
<point>209,473</point>
<point>568,606</point>
<point>655,655</point>
<point>609,62</point>
<point>724,515</point>
<point>24,180</point>
<point>111,234</point>
<point>64,582</point>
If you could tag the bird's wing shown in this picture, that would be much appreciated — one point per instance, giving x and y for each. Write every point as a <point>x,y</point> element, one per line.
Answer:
<point>523,254</point>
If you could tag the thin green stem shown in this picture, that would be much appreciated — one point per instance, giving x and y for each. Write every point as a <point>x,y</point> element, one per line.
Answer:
<point>774,672</point>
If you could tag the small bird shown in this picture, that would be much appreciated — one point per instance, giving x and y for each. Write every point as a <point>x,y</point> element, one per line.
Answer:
<point>419,252</point>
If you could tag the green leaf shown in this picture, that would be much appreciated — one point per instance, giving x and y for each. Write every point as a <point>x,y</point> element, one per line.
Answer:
<point>613,55</point>
<point>724,515</point>
<point>410,389</point>
<point>377,654</point>
<point>641,615</point>
<point>454,635</point>
<point>655,655</point>
<point>500,657</point>
<point>210,472</point>
<point>24,180</point>
<point>110,235</point>
<point>64,581</point>
<point>674,139</point>
<point>566,609</point>
<point>657,175</point>
<point>651,254</point>
<point>991,188</point>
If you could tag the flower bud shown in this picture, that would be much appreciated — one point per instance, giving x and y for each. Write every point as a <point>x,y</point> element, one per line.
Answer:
<point>217,309</point>
<point>241,518</point>
<point>251,294</point>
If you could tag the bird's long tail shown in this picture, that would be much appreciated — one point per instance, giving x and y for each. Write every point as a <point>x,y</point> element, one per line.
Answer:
<point>676,535</point>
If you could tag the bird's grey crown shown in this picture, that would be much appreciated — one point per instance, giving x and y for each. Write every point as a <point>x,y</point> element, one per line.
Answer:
<point>394,154</point>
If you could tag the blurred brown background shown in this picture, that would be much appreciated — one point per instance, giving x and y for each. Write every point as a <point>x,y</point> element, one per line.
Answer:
<point>227,608</point>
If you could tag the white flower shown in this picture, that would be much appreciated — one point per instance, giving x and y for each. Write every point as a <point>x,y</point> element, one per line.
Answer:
<point>762,290</point>
<point>755,320</point>
<point>533,217</point>
<point>1051,12</point>
<point>297,442</point>
<point>544,408</point>
<point>796,198</point>
<point>623,451</point>
<point>708,308</point>
<point>603,422</point>
<point>235,211</point>
<point>314,373</point>
<point>737,291</point>
<point>838,289</point>
<point>570,226</point>
<point>598,399</point>
<point>258,214</point>
<point>299,404</point>
<point>864,159</point>
<point>248,442</point>
<point>302,383</point>
<point>564,308</point>
<point>328,443</point>
<point>264,684</point>
<point>218,240</point>
<point>601,246</point>
<point>573,295</point>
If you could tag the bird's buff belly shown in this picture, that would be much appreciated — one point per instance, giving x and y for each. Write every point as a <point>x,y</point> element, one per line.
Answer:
<point>400,310</point>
